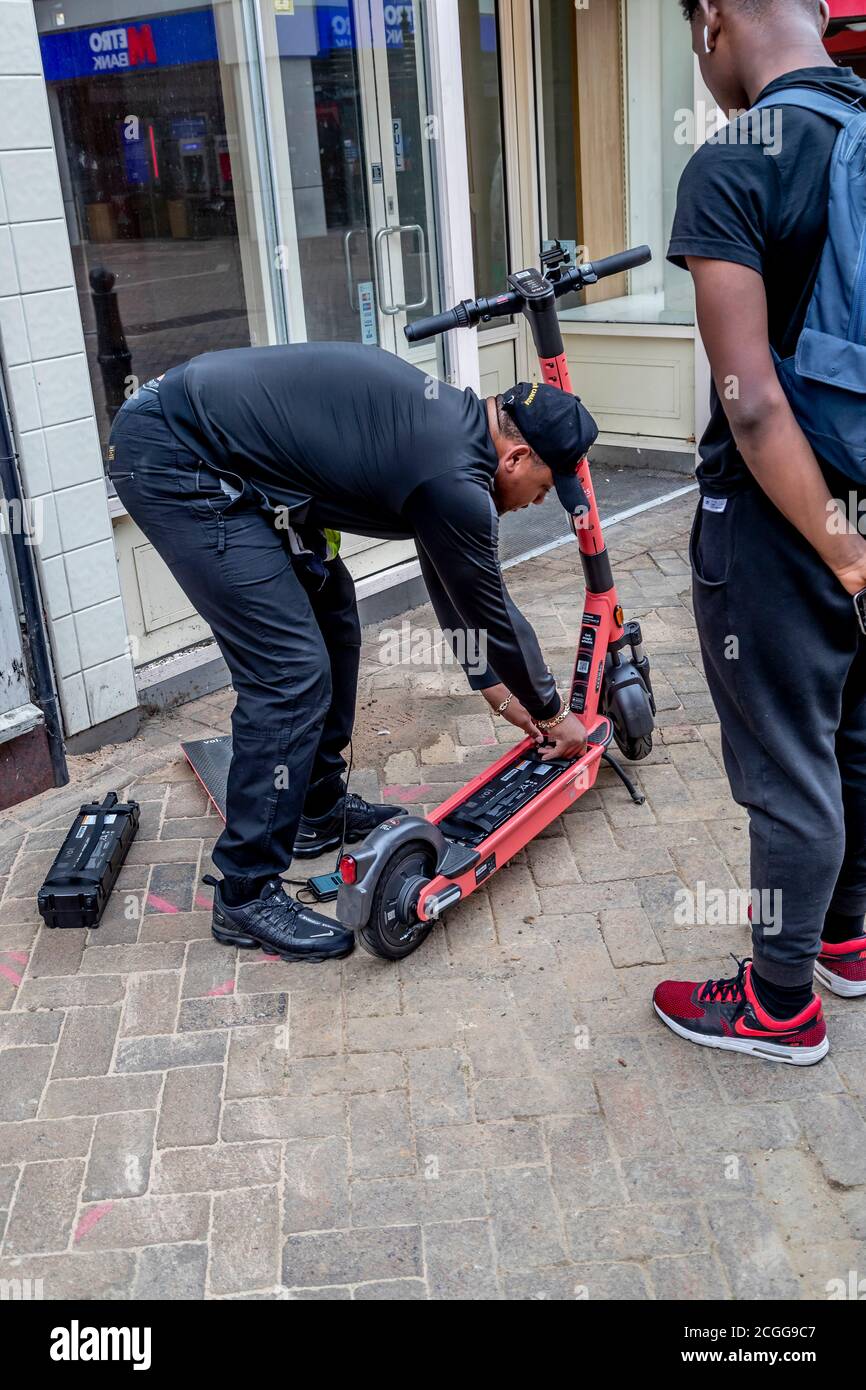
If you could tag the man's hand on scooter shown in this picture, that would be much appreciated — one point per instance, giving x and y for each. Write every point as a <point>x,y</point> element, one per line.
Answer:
<point>568,740</point>
<point>501,701</point>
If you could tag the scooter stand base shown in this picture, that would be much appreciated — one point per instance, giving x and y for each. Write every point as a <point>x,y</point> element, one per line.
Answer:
<point>637,797</point>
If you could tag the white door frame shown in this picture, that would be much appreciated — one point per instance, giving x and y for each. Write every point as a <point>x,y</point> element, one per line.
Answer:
<point>456,267</point>
<point>520,151</point>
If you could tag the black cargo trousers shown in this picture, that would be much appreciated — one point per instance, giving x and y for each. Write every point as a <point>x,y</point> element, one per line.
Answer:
<point>291,640</point>
<point>786,666</point>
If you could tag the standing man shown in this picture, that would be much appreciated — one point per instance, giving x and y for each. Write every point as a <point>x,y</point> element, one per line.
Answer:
<point>774,563</point>
<point>237,466</point>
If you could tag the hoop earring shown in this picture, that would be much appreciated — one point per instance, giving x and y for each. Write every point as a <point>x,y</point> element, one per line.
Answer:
<point>707,48</point>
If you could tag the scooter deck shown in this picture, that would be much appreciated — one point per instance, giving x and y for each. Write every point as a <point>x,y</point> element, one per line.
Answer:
<point>209,759</point>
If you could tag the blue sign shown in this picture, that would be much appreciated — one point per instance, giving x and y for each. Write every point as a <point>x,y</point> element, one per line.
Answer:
<point>189,128</point>
<point>335,29</point>
<point>135,158</point>
<point>162,42</point>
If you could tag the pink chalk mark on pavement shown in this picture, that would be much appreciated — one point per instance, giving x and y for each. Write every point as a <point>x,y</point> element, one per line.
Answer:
<point>203,902</point>
<point>90,1219</point>
<point>9,974</point>
<point>399,794</point>
<point>21,956</point>
<point>161,904</point>
<point>227,987</point>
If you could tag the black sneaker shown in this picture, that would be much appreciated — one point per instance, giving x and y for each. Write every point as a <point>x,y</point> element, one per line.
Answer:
<point>281,924</point>
<point>318,834</point>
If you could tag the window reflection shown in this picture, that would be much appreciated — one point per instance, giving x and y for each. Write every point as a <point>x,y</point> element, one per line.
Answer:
<point>148,156</point>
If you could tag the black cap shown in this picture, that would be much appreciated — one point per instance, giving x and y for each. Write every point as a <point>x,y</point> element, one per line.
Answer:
<point>559,429</point>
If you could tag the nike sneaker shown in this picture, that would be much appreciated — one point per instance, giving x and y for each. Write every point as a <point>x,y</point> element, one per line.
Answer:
<point>280,924</point>
<point>316,835</point>
<point>728,1014</point>
<point>842,967</point>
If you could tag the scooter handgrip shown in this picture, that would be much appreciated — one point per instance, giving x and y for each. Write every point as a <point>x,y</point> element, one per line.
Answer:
<point>622,261</point>
<point>436,323</point>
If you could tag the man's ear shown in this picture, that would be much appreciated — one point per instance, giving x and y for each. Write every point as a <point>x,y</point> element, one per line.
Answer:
<point>515,455</point>
<point>825,16</point>
<point>710,16</point>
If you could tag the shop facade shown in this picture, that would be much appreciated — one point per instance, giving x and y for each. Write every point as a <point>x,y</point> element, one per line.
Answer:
<point>188,176</point>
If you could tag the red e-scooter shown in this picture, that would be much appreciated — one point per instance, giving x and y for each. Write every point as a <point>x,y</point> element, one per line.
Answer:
<point>396,886</point>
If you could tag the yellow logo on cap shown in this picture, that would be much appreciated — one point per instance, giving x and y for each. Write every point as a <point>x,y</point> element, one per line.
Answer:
<point>533,393</point>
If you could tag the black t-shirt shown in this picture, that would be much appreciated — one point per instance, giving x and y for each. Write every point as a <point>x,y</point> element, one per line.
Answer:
<point>762,205</point>
<point>354,438</point>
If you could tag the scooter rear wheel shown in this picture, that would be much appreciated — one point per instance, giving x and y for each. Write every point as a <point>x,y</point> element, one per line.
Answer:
<point>394,930</point>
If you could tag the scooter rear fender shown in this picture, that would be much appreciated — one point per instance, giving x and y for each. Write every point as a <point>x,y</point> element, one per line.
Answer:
<point>355,900</point>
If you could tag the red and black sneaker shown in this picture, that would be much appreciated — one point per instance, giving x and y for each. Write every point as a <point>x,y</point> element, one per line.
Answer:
<point>726,1013</point>
<point>842,967</point>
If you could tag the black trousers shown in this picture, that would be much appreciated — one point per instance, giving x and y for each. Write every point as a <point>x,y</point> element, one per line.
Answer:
<point>786,666</point>
<point>291,640</point>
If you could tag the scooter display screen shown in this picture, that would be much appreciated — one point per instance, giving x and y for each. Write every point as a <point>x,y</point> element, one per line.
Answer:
<point>498,800</point>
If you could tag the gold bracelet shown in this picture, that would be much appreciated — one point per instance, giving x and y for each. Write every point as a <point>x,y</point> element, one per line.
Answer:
<point>500,709</point>
<point>557,719</point>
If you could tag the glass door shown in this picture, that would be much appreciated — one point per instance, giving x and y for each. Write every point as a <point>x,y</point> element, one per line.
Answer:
<point>350,139</point>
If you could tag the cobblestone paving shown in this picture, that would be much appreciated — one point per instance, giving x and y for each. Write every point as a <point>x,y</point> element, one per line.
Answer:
<point>499,1117</point>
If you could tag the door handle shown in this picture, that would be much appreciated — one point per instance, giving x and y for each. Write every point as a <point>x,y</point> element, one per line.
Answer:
<point>383,232</point>
<point>347,256</point>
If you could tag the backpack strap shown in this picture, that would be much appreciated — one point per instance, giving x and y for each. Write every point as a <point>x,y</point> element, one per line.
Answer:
<point>837,109</point>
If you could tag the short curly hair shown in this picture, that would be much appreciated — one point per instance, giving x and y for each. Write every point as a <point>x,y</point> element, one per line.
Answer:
<point>757,7</point>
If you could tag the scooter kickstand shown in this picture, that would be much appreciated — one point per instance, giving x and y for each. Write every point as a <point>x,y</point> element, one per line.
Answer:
<point>637,797</point>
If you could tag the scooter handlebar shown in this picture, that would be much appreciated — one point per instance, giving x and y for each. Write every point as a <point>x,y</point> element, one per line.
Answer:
<point>619,263</point>
<point>471,311</point>
<point>436,323</point>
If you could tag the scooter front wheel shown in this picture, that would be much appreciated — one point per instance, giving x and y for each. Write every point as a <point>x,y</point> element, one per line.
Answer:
<point>394,929</point>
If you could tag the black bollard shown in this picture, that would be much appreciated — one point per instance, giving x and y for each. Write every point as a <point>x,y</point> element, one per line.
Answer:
<point>113,356</point>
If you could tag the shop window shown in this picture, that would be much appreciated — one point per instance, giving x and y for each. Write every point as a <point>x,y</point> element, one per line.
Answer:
<point>482,92</point>
<point>615,91</point>
<point>156,165</point>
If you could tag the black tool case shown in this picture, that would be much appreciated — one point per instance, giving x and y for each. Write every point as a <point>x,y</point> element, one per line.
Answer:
<point>82,876</point>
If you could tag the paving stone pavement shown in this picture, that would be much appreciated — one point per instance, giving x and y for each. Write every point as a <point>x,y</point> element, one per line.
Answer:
<point>499,1117</point>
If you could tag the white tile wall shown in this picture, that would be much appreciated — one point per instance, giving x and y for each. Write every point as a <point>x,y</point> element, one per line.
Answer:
<point>19,50</point>
<point>41,251</point>
<point>42,349</point>
<point>67,657</point>
<point>55,589</point>
<point>101,632</point>
<point>73,702</point>
<point>16,348</point>
<point>8,274</point>
<point>53,323</point>
<point>25,402</point>
<point>74,455</point>
<point>24,120</point>
<point>63,388</point>
<point>31,185</point>
<point>107,685</point>
<point>34,463</point>
<point>82,515</point>
<point>91,574</point>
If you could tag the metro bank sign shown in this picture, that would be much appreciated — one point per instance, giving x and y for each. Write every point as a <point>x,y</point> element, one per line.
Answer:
<point>162,42</point>
<point>128,47</point>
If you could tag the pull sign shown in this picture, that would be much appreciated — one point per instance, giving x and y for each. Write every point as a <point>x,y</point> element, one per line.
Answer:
<point>399,158</point>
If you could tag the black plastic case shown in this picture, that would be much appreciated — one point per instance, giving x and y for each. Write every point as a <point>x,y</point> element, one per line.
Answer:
<point>82,876</point>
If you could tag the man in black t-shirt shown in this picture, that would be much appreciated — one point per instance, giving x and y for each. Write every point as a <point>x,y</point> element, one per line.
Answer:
<point>239,467</point>
<point>774,563</point>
